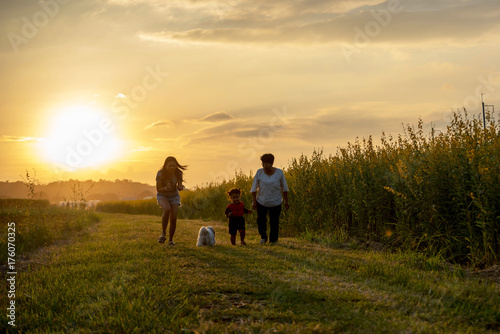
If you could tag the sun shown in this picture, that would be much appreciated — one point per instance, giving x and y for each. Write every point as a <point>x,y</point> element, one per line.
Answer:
<point>80,137</point>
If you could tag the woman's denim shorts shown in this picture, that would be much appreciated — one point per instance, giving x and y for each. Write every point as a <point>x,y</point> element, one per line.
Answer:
<point>175,199</point>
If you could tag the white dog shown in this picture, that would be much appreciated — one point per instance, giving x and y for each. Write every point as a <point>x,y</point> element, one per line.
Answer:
<point>206,236</point>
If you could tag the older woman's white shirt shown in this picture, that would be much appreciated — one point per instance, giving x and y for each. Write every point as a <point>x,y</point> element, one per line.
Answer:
<point>269,187</point>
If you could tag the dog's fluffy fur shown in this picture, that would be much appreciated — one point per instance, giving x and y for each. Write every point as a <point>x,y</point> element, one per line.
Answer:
<point>206,236</point>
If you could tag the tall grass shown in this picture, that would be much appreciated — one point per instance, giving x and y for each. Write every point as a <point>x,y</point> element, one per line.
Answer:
<point>439,195</point>
<point>9,203</point>
<point>39,224</point>
<point>136,207</point>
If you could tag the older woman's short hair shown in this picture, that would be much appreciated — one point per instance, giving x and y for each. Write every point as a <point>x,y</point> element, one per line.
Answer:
<point>268,157</point>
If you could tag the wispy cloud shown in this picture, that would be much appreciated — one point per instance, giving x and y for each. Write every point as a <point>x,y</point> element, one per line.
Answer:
<point>233,130</point>
<point>158,124</point>
<point>163,140</point>
<point>143,149</point>
<point>18,139</point>
<point>217,117</point>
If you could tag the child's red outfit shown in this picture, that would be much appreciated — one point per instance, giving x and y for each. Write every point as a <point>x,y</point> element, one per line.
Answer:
<point>236,221</point>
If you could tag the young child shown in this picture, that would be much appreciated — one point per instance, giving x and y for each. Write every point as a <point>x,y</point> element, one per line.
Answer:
<point>234,212</point>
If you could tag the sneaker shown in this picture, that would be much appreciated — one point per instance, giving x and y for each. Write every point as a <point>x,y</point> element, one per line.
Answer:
<point>263,241</point>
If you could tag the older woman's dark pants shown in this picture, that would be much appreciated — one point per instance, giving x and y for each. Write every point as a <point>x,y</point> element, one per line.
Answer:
<point>274,221</point>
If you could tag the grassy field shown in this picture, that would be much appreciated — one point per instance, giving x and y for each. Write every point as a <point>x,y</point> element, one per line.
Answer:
<point>116,277</point>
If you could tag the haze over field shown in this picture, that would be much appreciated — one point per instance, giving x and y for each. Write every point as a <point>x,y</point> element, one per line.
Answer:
<point>108,89</point>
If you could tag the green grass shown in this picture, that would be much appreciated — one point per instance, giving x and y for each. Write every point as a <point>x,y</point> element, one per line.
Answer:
<point>117,278</point>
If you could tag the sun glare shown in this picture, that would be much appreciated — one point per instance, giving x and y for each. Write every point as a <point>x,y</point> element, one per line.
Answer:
<point>80,137</point>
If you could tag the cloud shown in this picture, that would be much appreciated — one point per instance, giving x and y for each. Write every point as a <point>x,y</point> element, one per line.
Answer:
<point>158,124</point>
<point>18,139</point>
<point>213,134</point>
<point>333,22</point>
<point>163,140</point>
<point>217,117</point>
<point>235,129</point>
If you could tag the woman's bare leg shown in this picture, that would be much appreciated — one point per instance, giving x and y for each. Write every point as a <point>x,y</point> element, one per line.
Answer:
<point>165,205</point>
<point>173,220</point>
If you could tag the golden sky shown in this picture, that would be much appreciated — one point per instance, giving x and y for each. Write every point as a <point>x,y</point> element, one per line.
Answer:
<point>107,89</point>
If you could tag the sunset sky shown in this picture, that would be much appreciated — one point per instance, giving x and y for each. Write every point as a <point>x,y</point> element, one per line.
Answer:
<point>107,89</point>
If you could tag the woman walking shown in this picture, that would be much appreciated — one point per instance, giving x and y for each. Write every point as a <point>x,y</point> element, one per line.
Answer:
<point>268,184</point>
<point>168,184</point>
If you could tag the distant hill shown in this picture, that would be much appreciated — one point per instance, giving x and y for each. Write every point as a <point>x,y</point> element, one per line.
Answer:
<point>75,190</point>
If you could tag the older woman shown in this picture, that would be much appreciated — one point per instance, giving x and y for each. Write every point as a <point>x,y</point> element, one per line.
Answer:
<point>268,184</point>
